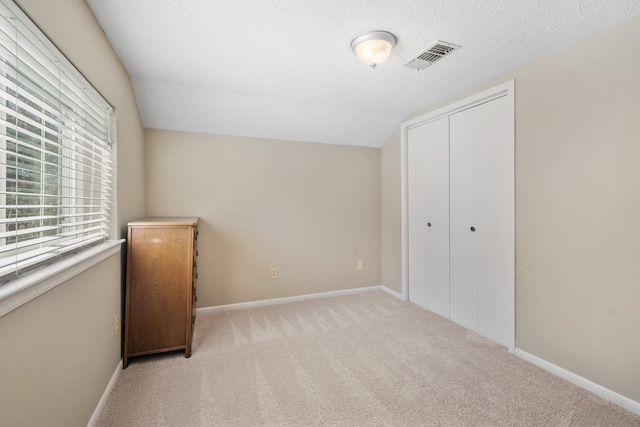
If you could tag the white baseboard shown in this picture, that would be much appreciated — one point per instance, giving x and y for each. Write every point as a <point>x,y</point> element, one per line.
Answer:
<point>105,396</point>
<point>594,388</point>
<point>392,293</point>
<point>274,301</point>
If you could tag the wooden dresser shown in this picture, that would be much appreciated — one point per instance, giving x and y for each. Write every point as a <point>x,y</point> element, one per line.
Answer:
<point>161,286</point>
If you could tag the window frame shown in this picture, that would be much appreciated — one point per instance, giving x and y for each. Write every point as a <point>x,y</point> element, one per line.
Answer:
<point>32,283</point>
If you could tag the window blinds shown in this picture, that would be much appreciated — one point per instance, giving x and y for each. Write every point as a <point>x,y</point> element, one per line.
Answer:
<point>55,151</point>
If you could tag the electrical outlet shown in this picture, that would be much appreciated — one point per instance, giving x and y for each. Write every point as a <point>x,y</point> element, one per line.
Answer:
<point>116,324</point>
<point>360,265</point>
<point>274,273</point>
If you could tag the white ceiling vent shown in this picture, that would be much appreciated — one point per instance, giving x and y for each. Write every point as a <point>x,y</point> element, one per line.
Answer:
<point>431,55</point>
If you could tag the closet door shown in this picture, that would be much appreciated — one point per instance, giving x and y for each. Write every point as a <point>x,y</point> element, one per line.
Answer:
<point>496,259</point>
<point>482,220</point>
<point>428,215</point>
<point>464,218</point>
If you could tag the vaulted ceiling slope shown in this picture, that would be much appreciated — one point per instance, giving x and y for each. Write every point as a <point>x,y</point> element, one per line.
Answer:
<point>283,69</point>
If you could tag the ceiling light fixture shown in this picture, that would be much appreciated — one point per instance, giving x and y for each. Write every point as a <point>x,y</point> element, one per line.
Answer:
<point>373,48</point>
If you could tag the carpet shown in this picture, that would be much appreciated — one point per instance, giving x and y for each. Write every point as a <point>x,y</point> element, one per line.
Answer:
<point>365,359</point>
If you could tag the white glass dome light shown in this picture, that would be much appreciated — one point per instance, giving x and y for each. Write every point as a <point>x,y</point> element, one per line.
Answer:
<point>373,48</point>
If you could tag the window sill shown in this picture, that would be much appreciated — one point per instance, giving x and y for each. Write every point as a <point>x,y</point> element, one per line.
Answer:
<point>28,287</point>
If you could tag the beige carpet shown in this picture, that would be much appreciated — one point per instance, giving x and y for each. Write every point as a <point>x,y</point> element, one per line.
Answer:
<point>366,359</point>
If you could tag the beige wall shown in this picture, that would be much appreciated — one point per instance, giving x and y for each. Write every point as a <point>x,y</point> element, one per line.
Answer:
<point>59,351</point>
<point>391,236</point>
<point>311,210</point>
<point>577,208</point>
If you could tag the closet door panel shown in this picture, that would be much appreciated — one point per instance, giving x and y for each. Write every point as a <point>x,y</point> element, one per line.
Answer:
<point>465,231</point>
<point>428,198</point>
<point>496,261</point>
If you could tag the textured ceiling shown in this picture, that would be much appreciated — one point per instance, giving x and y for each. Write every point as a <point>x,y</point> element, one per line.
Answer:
<point>283,69</point>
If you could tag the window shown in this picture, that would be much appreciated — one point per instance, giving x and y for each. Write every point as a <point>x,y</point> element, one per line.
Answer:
<point>55,151</point>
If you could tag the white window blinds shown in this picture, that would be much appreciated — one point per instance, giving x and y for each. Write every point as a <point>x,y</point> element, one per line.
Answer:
<point>55,151</point>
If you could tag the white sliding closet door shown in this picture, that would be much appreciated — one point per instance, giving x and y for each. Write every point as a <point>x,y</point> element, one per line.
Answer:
<point>428,191</point>
<point>496,260</point>
<point>482,220</point>
<point>459,212</point>
<point>464,214</point>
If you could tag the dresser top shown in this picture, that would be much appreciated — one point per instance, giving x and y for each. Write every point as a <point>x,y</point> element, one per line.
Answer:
<point>166,220</point>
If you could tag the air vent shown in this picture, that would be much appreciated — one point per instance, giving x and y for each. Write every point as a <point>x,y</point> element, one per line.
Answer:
<point>431,55</point>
